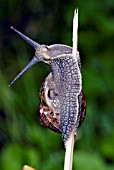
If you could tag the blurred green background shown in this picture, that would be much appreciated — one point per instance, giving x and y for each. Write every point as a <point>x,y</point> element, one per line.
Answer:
<point>22,139</point>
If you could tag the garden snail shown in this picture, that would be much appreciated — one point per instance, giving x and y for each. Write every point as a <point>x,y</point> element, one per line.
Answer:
<point>61,93</point>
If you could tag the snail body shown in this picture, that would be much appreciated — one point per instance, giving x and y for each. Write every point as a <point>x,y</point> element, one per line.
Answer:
<point>49,107</point>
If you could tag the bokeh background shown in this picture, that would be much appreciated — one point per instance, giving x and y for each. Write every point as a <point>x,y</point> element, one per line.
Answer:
<point>22,139</point>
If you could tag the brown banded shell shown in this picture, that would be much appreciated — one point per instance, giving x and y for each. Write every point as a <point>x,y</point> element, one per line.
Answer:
<point>49,107</point>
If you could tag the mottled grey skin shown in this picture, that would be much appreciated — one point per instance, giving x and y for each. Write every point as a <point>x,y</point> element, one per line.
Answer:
<point>66,72</point>
<point>66,76</point>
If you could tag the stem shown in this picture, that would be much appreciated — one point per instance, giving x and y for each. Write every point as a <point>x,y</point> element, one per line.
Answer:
<point>69,152</point>
<point>26,167</point>
<point>70,142</point>
<point>75,33</point>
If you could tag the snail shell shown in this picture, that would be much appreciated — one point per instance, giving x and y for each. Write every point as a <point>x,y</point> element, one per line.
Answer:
<point>49,107</point>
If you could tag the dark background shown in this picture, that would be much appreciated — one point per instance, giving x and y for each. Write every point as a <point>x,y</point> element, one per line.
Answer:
<point>22,139</point>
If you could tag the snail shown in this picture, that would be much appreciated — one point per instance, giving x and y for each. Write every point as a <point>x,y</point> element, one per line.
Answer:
<point>62,105</point>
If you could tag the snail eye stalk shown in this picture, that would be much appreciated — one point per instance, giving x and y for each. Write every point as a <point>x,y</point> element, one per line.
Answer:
<point>34,44</point>
<point>35,60</point>
<point>30,64</point>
